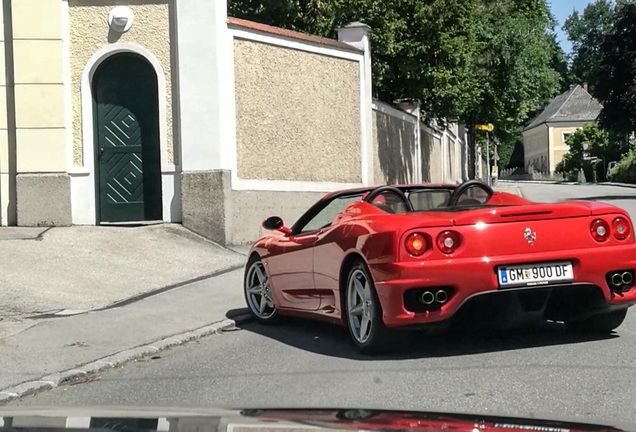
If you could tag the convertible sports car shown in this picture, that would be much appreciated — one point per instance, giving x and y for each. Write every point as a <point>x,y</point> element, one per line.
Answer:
<point>379,258</point>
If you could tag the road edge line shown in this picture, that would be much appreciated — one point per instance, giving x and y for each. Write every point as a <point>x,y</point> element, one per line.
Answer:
<point>57,379</point>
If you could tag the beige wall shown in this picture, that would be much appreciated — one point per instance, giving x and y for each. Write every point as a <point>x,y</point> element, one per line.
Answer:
<point>394,149</point>
<point>434,153</point>
<point>455,162</point>
<point>5,154</point>
<point>90,33</point>
<point>32,105</point>
<point>297,115</point>
<point>536,141</point>
<point>41,144</point>
<point>559,147</point>
<point>558,157</point>
<point>395,154</point>
<point>535,145</point>
<point>250,208</point>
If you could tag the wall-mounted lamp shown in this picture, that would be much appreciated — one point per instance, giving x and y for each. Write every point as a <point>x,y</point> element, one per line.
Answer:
<point>120,19</point>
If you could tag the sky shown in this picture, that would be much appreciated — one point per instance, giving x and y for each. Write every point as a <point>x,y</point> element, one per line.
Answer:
<point>561,10</point>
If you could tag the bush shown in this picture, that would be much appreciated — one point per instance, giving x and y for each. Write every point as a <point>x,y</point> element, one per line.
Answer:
<point>625,169</point>
<point>571,173</point>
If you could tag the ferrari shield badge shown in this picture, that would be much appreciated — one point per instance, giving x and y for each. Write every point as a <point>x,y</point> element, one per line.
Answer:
<point>530,236</point>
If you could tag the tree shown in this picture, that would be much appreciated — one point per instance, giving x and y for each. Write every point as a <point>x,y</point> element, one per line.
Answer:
<point>586,32</point>
<point>618,67</point>
<point>490,61</point>
<point>421,50</point>
<point>559,63</point>
<point>310,16</point>
<point>594,141</point>
<point>514,67</point>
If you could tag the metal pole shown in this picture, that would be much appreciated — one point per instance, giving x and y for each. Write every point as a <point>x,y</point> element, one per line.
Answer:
<point>488,158</point>
<point>418,144</point>
<point>496,159</point>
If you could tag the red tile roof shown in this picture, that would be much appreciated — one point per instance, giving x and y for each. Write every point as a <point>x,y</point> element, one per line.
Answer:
<point>290,34</point>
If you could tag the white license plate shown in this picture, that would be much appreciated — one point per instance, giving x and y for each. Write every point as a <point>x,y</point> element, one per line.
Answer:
<point>535,274</point>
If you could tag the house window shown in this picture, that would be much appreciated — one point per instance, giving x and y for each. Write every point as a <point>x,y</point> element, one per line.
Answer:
<point>565,136</point>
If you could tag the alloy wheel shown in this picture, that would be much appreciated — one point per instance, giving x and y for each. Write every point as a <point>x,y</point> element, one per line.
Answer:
<point>360,307</point>
<point>257,291</point>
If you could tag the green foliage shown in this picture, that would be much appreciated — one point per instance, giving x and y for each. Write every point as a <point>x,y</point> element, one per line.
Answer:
<point>516,67</point>
<point>490,61</point>
<point>309,16</point>
<point>597,143</point>
<point>421,49</point>
<point>559,63</point>
<point>586,32</point>
<point>618,66</point>
<point>625,170</point>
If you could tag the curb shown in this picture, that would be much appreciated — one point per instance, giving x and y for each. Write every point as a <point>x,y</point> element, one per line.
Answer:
<point>626,185</point>
<point>562,182</point>
<point>57,379</point>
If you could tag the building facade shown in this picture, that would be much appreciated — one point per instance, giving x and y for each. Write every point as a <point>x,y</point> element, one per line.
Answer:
<point>544,139</point>
<point>168,110</point>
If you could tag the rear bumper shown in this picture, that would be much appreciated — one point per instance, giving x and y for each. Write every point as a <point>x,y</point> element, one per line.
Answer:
<point>472,277</point>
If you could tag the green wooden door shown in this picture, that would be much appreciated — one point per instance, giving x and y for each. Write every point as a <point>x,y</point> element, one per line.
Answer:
<point>128,154</point>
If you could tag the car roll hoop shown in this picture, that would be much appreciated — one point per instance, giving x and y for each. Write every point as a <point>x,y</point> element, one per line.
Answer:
<point>393,190</point>
<point>463,188</point>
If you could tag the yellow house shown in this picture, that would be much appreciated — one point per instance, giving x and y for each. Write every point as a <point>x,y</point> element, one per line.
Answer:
<point>544,138</point>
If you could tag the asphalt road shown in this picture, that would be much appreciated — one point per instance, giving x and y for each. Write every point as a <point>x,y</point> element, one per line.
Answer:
<point>624,197</point>
<point>545,371</point>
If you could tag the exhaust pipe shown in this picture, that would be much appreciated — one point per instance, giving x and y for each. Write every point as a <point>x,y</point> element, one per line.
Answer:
<point>627,278</point>
<point>427,298</point>
<point>441,296</point>
<point>617,279</point>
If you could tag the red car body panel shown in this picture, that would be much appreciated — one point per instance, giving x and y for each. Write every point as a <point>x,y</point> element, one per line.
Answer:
<point>306,270</point>
<point>420,421</point>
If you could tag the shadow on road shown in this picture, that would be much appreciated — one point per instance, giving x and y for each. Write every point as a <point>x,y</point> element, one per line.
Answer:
<point>333,341</point>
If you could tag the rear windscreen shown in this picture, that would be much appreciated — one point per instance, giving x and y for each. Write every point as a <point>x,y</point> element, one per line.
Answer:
<point>425,200</point>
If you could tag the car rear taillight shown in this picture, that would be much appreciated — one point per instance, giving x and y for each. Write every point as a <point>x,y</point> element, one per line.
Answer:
<point>621,228</point>
<point>600,230</point>
<point>448,241</point>
<point>415,244</point>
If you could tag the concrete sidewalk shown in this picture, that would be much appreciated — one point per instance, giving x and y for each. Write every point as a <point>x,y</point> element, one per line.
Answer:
<point>70,270</point>
<point>62,344</point>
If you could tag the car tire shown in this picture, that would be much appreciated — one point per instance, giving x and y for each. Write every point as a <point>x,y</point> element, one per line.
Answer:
<point>601,323</point>
<point>257,292</point>
<point>363,312</point>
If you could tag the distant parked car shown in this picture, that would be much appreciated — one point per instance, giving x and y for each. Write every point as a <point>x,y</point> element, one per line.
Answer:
<point>610,165</point>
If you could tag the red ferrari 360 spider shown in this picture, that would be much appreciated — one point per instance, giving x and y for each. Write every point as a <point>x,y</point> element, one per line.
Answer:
<point>378,258</point>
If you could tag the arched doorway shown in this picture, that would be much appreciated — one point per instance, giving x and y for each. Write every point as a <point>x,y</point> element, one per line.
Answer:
<point>127,140</point>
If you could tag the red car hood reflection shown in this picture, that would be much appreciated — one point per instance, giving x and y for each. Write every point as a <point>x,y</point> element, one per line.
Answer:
<point>371,420</point>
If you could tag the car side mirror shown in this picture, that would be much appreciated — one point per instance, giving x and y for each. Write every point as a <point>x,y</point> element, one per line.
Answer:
<point>275,223</point>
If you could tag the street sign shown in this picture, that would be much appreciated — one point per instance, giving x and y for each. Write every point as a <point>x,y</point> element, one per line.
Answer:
<point>485,127</point>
